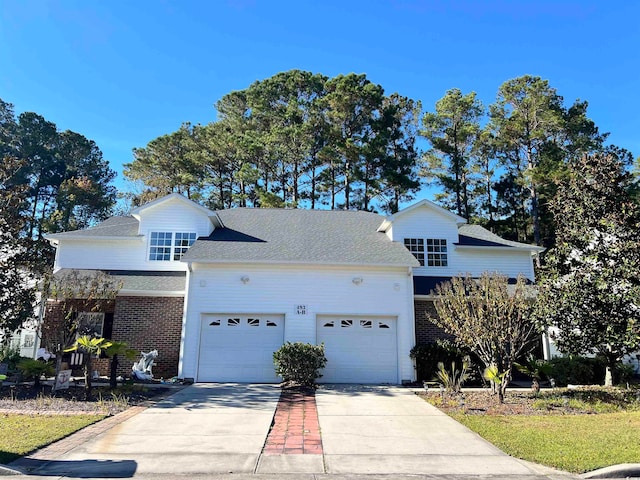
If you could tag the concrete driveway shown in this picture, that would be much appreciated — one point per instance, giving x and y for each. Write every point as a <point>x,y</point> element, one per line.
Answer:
<point>219,431</point>
<point>205,428</point>
<point>387,430</point>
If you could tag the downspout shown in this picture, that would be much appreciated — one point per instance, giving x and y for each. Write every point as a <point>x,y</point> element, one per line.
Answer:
<point>185,311</point>
<point>412,318</point>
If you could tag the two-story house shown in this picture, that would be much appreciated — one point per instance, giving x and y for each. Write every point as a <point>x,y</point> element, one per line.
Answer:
<point>216,293</point>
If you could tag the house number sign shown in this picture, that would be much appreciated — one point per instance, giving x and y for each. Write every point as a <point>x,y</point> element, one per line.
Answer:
<point>301,309</point>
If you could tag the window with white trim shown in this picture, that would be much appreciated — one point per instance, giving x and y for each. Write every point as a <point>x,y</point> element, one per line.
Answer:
<point>183,240</point>
<point>160,246</point>
<point>416,247</point>
<point>166,246</point>
<point>437,252</point>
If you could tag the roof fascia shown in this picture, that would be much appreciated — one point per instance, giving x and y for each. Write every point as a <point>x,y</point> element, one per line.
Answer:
<point>293,262</point>
<point>422,203</point>
<point>534,249</point>
<point>54,239</point>
<point>150,293</point>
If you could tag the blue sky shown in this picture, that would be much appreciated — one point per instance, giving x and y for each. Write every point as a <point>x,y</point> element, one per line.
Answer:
<point>125,72</point>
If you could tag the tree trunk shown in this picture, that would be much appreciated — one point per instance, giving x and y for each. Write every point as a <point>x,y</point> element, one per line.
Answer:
<point>113,372</point>
<point>87,377</point>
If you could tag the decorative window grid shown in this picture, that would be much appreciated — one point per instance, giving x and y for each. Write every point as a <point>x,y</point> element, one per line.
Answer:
<point>165,246</point>
<point>437,252</point>
<point>416,247</point>
<point>160,246</point>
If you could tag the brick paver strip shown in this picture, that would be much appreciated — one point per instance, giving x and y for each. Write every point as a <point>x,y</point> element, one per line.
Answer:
<point>295,428</point>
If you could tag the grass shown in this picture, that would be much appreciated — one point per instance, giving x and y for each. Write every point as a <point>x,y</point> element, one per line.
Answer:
<point>21,434</point>
<point>576,443</point>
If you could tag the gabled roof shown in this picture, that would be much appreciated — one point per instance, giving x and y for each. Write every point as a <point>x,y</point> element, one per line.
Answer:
<point>422,203</point>
<point>478,236</point>
<point>176,196</point>
<point>114,227</point>
<point>258,235</point>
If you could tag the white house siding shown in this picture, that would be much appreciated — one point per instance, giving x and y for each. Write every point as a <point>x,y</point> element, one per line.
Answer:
<point>116,254</point>
<point>282,289</point>
<point>423,222</point>
<point>133,254</point>
<point>174,216</point>
<point>488,259</point>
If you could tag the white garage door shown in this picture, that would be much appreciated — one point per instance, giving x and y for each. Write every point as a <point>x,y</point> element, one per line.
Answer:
<point>239,348</point>
<point>359,349</point>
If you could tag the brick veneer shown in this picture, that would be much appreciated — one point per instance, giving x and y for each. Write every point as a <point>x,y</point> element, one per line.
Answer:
<point>145,323</point>
<point>148,323</point>
<point>426,331</point>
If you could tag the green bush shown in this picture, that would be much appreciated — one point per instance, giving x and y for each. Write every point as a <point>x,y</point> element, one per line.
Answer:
<point>34,369</point>
<point>300,363</point>
<point>10,356</point>
<point>428,355</point>
<point>577,371</point>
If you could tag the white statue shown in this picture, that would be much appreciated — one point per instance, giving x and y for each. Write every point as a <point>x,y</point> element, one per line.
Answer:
<point>142,368</point>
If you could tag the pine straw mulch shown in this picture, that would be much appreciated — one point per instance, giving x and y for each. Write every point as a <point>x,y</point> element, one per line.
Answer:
<point>561,401</point>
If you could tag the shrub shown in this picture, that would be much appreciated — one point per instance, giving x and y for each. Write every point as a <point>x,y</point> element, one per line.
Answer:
<point>300,363</point>
<point>428,355</point>
<point>576,370</point>
<point>11,356</point>
<point>34,369</point>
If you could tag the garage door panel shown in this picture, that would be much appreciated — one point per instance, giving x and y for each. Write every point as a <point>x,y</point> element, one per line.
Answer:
<point>239,348</point>
<point>359,349</point>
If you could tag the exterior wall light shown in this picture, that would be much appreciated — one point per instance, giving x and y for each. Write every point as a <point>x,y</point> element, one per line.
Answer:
<point>244,279</point>
<point>357,280</point>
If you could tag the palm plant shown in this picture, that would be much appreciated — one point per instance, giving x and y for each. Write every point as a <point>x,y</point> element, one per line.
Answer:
<point>90,346</point>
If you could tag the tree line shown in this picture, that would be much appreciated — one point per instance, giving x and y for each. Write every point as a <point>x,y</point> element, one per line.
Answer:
<point>50,181</point>
<point>304,140</point>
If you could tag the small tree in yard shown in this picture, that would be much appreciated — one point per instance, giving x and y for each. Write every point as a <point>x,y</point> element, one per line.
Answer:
<point>74,292</point>
<point>590,288</point>
<point>490,317</point>
<point>300,363</point>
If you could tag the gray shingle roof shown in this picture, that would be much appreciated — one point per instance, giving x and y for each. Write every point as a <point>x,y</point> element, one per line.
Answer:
<point>475,235</point>
<point>299,236</point>
<point>138,280</point>
<point>111,227</point>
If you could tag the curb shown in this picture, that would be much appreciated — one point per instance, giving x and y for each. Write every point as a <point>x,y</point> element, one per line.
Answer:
<point>7,471</point>
<point>623,470</point>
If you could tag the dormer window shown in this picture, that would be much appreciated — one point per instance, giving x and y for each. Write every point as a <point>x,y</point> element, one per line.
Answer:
<point>166,246</point>
<point>182,243</point>
<point>436,251</point>
<point>416,246</point>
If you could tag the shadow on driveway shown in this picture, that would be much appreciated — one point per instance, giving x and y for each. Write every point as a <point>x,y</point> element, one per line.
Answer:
<point>217,395</point>
<point>77,468</point>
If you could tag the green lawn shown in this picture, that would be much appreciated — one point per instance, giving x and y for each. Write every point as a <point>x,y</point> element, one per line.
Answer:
<point>576,443</point>
<point>20,434</point>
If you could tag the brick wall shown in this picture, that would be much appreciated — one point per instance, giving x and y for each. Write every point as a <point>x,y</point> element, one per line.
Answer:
<point>145,323</point>
<point>54,317</point>
<point>426,331</point>
<point>148,323</point>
